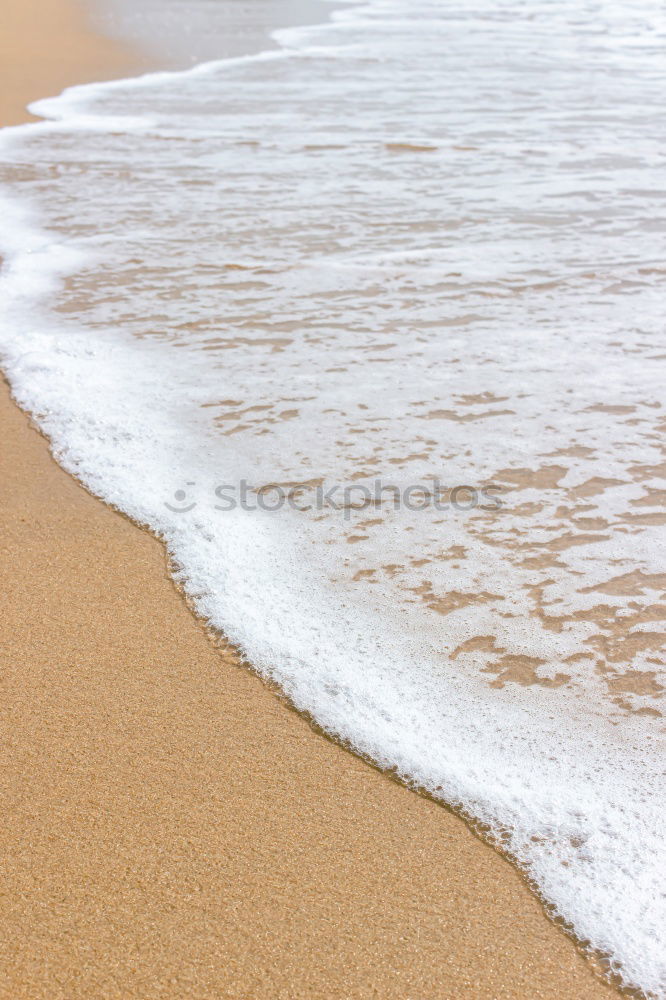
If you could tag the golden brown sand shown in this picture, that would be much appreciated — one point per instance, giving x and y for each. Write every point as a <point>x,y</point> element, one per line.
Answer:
<point>168,828</point>
<point>45,46</point>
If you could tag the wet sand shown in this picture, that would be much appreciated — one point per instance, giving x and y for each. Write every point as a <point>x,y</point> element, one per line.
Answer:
<point>168,827</point>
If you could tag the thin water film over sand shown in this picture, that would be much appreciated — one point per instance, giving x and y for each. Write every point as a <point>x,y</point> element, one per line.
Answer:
<point>422,246</point>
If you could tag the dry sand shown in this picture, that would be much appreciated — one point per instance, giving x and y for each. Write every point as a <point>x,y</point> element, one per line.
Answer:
<point>169,828</point>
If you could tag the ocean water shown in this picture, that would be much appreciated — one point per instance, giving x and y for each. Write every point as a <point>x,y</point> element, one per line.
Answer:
<point>369,328</point>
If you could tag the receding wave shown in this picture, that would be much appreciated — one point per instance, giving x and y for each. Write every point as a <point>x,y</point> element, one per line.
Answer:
<point>369,329</point>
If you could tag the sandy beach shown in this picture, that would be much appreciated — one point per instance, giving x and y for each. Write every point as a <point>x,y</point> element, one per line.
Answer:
<point>169,827</point>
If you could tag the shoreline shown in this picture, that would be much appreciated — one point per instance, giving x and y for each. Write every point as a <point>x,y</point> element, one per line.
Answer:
<point>171,827</point>
<point>48,45</point>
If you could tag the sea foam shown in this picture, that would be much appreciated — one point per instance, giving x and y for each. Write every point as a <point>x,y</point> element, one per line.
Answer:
<point>420,242</point>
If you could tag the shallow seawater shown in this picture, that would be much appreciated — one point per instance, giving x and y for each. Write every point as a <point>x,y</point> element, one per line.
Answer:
<point>369,327</point>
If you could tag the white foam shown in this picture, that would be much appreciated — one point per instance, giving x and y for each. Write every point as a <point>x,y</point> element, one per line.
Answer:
<point>253,247</point>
